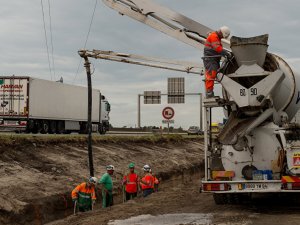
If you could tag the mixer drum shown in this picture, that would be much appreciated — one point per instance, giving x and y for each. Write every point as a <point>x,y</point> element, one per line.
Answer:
<point>251,51</point>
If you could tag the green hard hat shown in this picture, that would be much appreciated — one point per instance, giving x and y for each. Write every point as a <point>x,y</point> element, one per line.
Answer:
<point>131,165</point>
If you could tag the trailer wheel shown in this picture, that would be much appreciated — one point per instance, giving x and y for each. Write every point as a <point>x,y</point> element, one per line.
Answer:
<point>102,130</point>
<point>52,127</point>
<point>37,128</point>
<point>29,126</point>
<point>220,199</point>
<point>44,127</point>
<point>60,127</point>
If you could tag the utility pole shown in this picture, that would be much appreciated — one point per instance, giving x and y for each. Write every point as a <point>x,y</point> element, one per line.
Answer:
<point>139,111</point>
<point>90,100</point>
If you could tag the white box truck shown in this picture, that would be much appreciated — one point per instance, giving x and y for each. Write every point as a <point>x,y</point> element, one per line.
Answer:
<point>42,106</point>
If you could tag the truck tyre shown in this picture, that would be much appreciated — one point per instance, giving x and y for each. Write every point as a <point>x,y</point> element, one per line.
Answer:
<point>52,127</point>
<point>83,128</point>
<point>102,130</point>
<point>220,198</point>
<point>60,127</point>
<point>37,128</point>
<point>44,127</point>
<point>29,126</point>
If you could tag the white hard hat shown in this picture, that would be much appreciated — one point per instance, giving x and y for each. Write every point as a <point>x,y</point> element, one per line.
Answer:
<point>93,180</point>
<point>225,31</point>
<point>147,168</point>
<point>110,167</point>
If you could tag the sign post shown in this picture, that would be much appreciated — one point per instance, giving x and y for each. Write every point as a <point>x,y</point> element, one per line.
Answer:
<point>168,113</point>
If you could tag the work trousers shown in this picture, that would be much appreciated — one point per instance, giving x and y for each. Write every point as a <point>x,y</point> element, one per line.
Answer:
<point>147,192</point>
<point>107,199</point>
<point>211,66</point>
<point>130,196</point>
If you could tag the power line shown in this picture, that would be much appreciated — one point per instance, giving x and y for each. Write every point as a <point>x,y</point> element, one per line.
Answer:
<point>46,38</point>
<point>51,38</point>
<point>86,40</point>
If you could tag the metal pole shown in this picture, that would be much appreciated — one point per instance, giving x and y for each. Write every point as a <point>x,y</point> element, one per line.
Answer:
<point>89,123</point>
<point>139,111</point>
<point>201,116</point>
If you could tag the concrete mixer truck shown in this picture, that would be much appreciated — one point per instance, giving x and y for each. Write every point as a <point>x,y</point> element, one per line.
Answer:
<point>258,149</point>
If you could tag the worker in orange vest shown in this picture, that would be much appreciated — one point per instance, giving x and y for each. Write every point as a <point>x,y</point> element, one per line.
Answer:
<point>146,182</point>
<point>155,181</point>
<point>131,181</point>
<point>84,195</point>
<point>213,51</point>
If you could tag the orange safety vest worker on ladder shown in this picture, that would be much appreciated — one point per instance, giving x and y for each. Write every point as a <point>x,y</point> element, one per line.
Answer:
<point>213,51</point>
<point>147,182</point>
<point>131,183</point>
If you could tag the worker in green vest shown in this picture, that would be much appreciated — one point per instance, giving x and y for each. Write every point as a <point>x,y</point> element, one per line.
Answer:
<point>107,187</point>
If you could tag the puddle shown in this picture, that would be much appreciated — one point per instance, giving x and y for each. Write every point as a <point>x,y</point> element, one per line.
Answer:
<point>167,219</point>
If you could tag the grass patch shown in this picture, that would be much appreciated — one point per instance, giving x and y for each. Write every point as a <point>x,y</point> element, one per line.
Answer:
<point>22,139</point>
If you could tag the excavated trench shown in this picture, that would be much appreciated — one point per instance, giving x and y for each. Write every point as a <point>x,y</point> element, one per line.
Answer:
<point>37,177</point>
<point>59,206</point>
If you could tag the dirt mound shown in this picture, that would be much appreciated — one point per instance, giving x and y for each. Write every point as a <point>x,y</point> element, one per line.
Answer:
<point>38,173</point>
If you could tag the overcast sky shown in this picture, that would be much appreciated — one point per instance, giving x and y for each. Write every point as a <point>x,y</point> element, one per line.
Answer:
<point>23,49</point>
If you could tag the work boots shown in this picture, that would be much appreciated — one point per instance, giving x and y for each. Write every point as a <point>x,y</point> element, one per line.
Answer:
<point>210,94</point>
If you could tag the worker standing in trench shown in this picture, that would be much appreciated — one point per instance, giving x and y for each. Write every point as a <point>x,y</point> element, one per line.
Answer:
<point>84,196</point>
<point>213,51</point>
<point>146,182</point>
<point>107,187</point>
<point>131,181</point>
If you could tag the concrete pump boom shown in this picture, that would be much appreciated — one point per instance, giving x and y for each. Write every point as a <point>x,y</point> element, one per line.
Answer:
<point>165,20</point>
<point>168,64</point>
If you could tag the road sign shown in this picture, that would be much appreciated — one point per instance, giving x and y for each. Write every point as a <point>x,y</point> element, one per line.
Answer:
<point>176,90</point>
<point>168,121</point>
<point>168,113</point>
<point>152,97</point>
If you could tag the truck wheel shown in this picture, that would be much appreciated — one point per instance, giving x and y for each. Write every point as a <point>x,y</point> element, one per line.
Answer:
<point>60,127</point>
<point>52,127</point>
<point>37,128</point>
<point>102,130</point>
<point>29,126</point>
<point>44,127</point>
<point>220,199</point>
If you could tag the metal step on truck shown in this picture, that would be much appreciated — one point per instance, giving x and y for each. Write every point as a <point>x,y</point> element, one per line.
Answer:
<point>258,149</point>
<point>34,105</point>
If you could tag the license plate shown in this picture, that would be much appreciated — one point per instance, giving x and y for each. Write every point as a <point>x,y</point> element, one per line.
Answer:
<point>254,186</point>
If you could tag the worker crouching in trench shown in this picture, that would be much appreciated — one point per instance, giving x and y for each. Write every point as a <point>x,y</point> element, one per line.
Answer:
<point>84,196</point>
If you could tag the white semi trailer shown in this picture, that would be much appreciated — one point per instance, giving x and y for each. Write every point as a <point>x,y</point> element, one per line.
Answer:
<point>42,106</point>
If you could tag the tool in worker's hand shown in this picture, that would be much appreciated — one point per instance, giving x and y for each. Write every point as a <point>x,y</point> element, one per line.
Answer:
<point>75,207</point>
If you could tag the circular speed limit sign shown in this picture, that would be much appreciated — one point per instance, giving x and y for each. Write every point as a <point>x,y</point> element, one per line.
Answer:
<point>168,113</point>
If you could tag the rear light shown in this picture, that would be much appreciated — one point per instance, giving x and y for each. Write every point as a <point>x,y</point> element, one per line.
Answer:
<point>291,186</point>
<point>216,187</point>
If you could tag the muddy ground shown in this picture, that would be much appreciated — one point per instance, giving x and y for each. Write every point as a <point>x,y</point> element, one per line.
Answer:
<point>38,174</point>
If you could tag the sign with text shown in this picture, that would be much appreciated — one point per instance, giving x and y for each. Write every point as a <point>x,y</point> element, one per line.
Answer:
<point>168,121</point>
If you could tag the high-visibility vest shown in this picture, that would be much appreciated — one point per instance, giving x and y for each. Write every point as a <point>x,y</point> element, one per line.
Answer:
<point>84,195</point>
<point>147,182</point>
<point>213,42</point>
<point>131,183</point>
